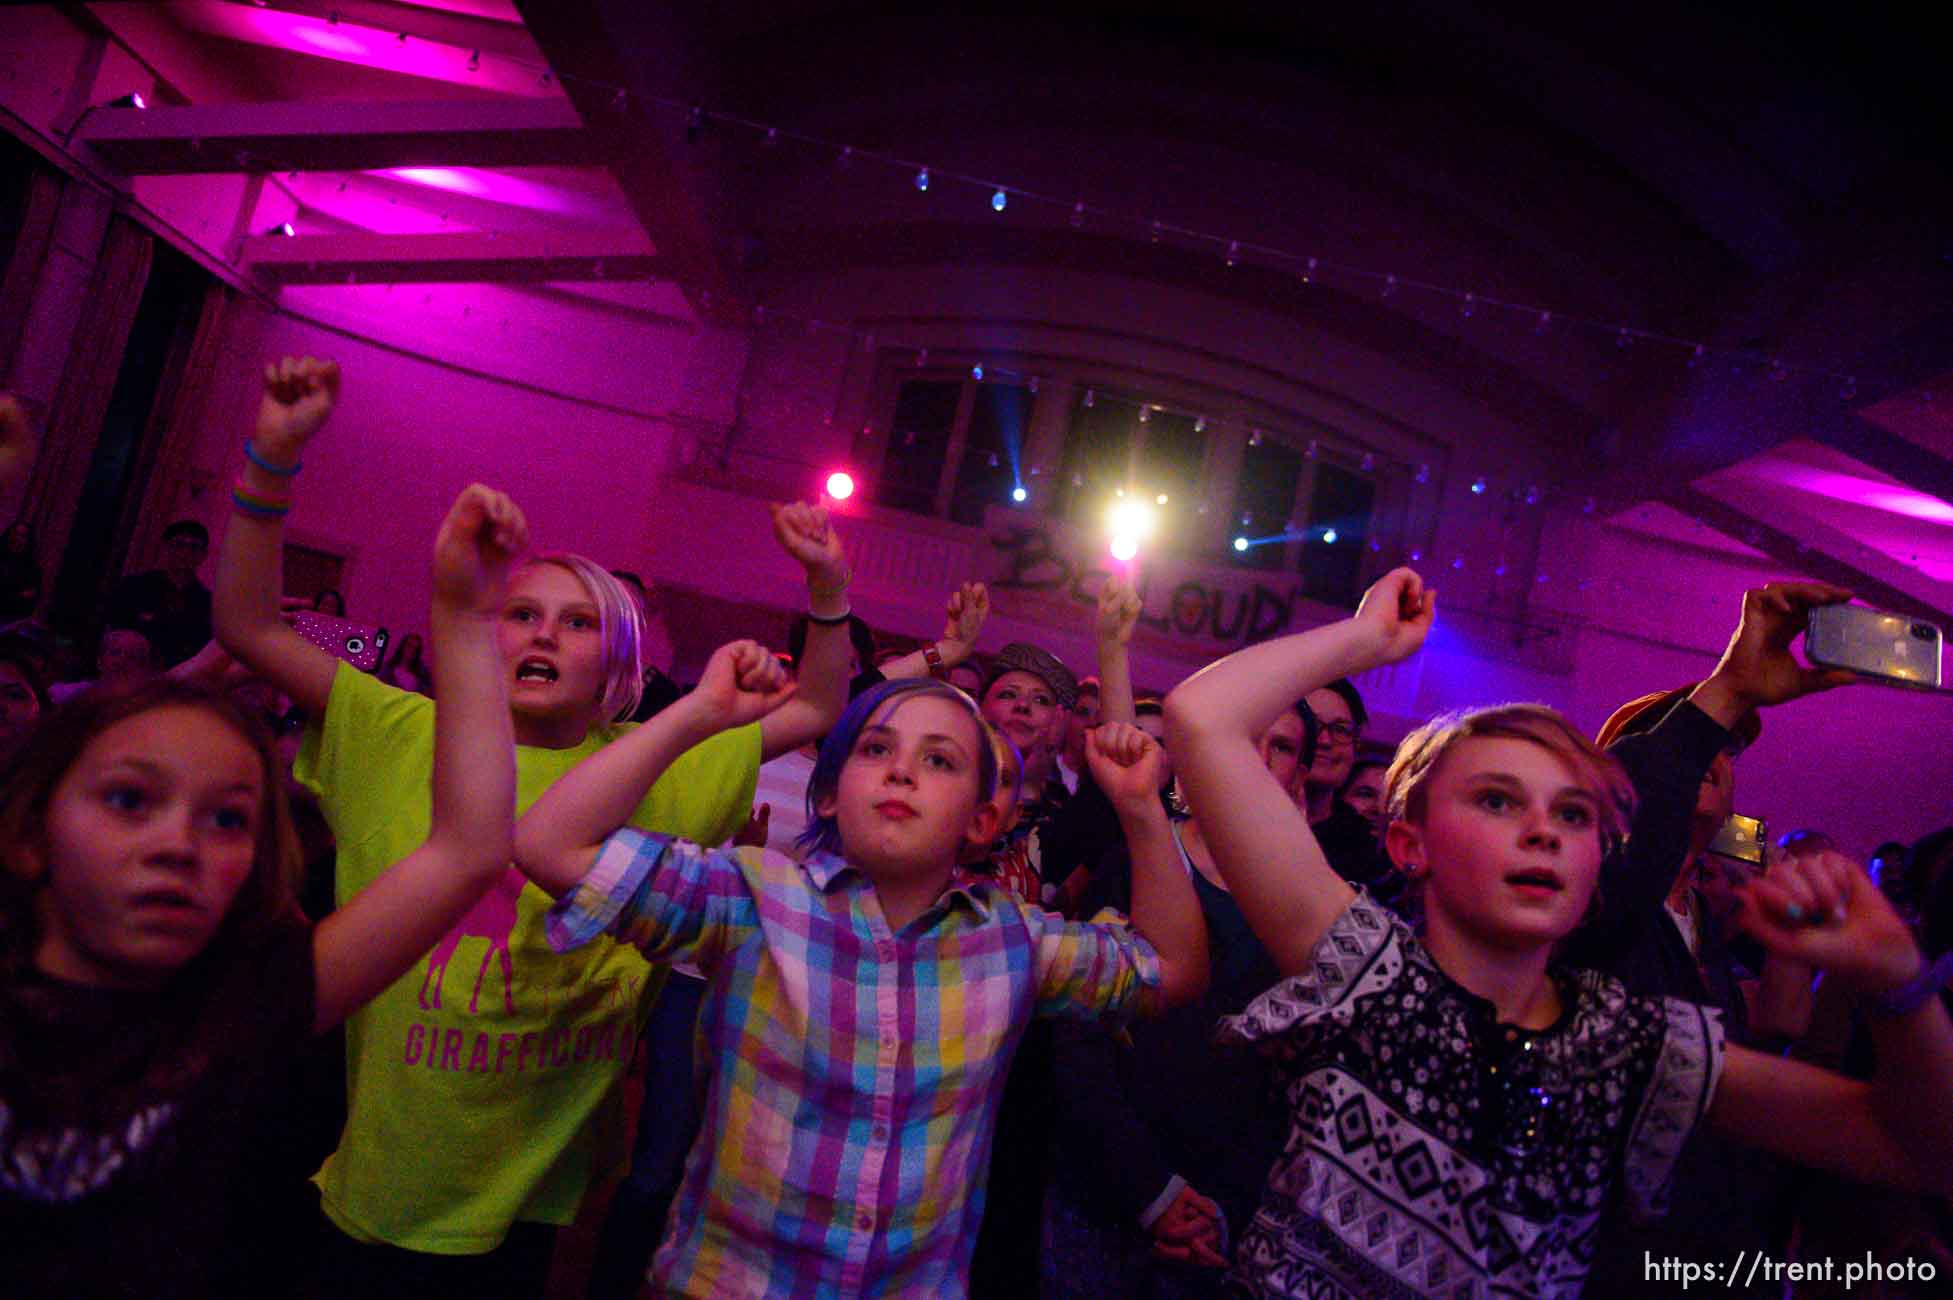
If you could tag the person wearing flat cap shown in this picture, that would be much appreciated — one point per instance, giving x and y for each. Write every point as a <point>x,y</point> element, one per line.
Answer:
<point>1661,920</point>
<point>1027,696</point>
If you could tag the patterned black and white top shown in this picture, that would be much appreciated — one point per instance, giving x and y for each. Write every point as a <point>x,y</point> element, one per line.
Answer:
<point>1433,1151</point>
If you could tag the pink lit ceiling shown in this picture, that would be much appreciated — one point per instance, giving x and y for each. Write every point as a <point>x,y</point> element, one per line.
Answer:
<point>311,90</point>
<point>1751,183</point>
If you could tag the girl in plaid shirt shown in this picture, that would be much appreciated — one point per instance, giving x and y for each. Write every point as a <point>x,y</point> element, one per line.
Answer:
<point>863,1003</point>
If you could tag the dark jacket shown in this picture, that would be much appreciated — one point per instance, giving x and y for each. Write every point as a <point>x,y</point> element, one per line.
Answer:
<point>1724,1198</point>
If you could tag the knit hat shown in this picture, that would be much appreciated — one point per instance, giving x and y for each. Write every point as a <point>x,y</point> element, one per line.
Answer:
<point>1023,657</point>
<point>1640,716</point>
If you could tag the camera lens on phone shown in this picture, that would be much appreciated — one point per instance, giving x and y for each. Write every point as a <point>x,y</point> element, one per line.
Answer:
<point>1924,631</point>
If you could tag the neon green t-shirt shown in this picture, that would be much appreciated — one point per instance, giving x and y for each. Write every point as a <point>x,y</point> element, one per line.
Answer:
<point>482,1086</point>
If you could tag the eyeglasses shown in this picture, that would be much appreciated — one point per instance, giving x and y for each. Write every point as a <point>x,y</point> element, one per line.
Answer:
<point>1342,732</point>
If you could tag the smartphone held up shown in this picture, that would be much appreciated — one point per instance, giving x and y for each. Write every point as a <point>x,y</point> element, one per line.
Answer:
<point>359,644</point>
<point>1878,646</point>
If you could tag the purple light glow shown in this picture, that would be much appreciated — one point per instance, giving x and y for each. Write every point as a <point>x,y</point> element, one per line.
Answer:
<point>1855,490</point>
<point>374,47</point>
<point>460,180</point>
<point>332,40</point>
<point>496,187</point>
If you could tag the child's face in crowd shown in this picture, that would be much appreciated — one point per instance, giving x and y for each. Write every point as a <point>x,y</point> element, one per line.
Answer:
<point>906,801</point>
<point>149,837</point>
<point>1335,740</point>
<point>19,706</point>
<point>1509,844</point>
<point>1022,707</point>
<point>551,638</point>
<point>1281,748</point>
<point>124,654</point>
<point>1005,800</point>
<point>1365,794</point>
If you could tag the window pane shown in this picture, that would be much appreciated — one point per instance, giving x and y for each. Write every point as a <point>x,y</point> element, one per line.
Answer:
<point>918,439</point>
<point>992,454</point>
<point>1264,502</point>
<point>1342,500</point>
<point>1098,456</point>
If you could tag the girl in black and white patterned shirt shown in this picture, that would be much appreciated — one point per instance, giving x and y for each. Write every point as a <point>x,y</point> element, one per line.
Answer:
<point>1463,1107</point>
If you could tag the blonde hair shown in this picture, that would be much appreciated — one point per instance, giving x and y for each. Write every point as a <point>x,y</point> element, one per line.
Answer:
<point>622,622</point>
<point>1407,782</point>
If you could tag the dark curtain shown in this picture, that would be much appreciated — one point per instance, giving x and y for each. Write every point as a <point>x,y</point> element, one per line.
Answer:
<point>168,482</point>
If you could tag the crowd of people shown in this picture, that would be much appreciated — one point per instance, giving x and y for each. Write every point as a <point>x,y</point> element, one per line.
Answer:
<point>948,972</point>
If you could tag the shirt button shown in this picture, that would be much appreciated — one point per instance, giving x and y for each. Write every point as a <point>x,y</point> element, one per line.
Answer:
<point>881,1132</point>
<point>888,1038</point>
<point>864,1221</point>
<point>885,951</point>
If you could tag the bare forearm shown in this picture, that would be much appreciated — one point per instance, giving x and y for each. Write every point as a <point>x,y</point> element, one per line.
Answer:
<point>599,794</point>
<point>1164,907</point>
<point>1261,841</point>
<point>1241,694</point>
<point>474,741</point>
<point>1784,997</point>
<point>250,572</point>
<point>1912,1092</point>
<point>1115,683</point>
<point>824,671</point>
<point>244,606</point>
<point>823,680</point>
<point>916,662</point>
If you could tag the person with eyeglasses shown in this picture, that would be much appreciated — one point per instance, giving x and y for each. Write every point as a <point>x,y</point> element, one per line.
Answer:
<point>1348,839</point>
<point>1663,920</point>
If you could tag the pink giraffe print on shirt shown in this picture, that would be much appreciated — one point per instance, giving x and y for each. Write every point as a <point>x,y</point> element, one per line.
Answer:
<point>491,918</point>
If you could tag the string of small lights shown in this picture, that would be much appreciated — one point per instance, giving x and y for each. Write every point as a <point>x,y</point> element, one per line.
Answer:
<point>1308,267</point>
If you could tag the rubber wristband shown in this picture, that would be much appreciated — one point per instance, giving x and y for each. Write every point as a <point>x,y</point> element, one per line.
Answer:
<point>262,504</point>
<point>276,471</point>
<point>258,509</point>
<point>830,620</point>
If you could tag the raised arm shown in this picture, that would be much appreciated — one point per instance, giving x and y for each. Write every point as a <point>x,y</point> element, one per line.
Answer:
<point>558,838</point>
<point>298,396</point>
<point>964,615</point>
<point>1261,840</point>
<point>806,534</point>
<point>1757,669</point>
<point>1128,766</point>
<point>1112,625</point>
<point>1896,1128</point>
<point>384,929</point>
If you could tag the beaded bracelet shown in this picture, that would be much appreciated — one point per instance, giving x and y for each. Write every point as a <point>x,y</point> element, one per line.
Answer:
<point>276,471</point>
<point>258,505</point>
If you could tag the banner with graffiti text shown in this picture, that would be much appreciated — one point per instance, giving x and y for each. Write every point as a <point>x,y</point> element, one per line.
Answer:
<point>1032,561</point>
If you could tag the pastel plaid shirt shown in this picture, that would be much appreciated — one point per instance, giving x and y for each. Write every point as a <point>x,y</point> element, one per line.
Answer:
<point>856,1072</point>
